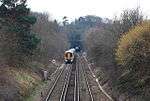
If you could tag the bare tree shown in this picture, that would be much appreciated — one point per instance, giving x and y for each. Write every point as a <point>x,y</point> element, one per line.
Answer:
<point>53,42</point>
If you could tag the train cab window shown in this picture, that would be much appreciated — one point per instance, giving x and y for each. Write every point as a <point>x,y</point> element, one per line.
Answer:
<point>70,54</point>
<point>66,55</point>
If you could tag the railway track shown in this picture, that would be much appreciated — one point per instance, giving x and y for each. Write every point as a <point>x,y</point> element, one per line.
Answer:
<point>89,92</point>
<point>92,84</point>
<point>75,83</point>
<point>70,91</point>
<point>65,86</point>
<point>57,84</point>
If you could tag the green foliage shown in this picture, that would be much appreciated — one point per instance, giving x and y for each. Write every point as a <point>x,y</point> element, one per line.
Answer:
<point>27,20</point>
<point>133,55</point>
<point>15,16</point>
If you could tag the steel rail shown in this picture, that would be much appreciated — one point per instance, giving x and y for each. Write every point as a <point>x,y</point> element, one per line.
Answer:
<point>53,86</point>
<point>87,83</point>
<point>78,86</point>
<point>75,87</point>
<point>66,84</point>
<point>100,87</point>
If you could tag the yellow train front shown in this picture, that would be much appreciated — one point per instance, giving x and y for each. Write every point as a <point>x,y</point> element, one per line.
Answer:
<point>69,56</point>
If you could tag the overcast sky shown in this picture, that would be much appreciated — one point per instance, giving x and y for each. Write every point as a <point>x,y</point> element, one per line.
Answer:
<point>76,8</point>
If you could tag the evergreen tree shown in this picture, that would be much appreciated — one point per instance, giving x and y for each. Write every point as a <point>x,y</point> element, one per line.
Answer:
<point>15,18</point>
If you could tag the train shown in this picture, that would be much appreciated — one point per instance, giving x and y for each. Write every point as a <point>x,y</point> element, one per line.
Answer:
<point>69,56</point>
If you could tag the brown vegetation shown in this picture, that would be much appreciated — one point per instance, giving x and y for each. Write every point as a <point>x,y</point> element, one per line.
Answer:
<point>101,43</point>
<point>133,56</point>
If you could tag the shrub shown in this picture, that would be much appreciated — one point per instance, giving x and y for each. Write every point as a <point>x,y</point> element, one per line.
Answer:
<point>133,57</point>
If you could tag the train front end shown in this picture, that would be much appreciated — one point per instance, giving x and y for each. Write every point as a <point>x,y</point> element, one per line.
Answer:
<point>69,56</point>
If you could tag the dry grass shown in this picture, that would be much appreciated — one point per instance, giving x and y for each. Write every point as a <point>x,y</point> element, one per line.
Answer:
<point>26,79</point>
<point>16,83</point>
